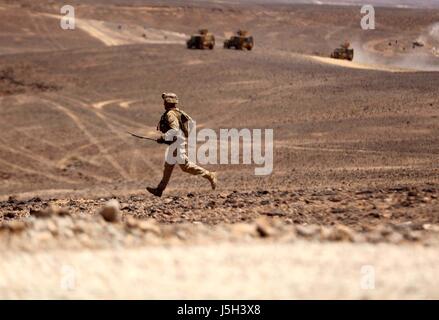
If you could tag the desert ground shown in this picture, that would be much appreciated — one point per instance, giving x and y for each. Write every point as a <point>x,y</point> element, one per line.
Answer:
<point>350,211</point>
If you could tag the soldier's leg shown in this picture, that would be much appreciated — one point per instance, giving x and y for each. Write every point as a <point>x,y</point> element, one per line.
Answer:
<point>167,172</point>
<point>192,168</point>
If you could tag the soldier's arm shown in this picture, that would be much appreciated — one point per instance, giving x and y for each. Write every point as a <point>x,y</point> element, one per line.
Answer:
<point>173,124</point>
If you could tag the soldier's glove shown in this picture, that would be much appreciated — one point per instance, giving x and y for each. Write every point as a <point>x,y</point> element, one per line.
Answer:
<point>161,140</point>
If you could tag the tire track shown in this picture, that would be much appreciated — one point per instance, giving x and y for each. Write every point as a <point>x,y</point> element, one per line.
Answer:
<point>31,171</point>
<point>21,152</point>
<point>50,35</point>
<point>123,138</point>
<point>69,153</point>
<point>49,164</point>
<point>101,104</point>
<point>346,150</point>
<point>22,132</point>
<point>76,152</point>
<point>107,121</point>
<point>91,138</point>
<point>32,19</point>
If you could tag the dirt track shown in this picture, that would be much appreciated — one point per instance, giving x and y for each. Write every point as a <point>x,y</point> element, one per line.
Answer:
<point>356,151</point>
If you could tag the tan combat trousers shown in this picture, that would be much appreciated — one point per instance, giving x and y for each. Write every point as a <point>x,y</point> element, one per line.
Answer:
<point>187,166</point>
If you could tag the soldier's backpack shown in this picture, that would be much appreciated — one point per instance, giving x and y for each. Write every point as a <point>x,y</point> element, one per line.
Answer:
<point>184,121</point>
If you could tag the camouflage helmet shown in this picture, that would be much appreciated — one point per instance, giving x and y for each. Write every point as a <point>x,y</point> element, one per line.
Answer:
<point>170,97</point>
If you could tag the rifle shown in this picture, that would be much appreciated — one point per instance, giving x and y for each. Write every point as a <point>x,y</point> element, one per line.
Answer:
<point>141,137</point>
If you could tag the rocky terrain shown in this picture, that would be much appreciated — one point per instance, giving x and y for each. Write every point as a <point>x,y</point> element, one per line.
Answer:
<point>355,179</point>
<point>397,215</point>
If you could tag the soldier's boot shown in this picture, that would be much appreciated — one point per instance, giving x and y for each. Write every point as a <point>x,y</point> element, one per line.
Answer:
<point>212,179</point>
<point>167,172</point>
<point>192,168</point>
<point>155,191</point>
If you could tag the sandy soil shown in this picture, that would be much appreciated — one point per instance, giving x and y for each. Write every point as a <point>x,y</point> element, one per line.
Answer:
<point>356,151</point>
<point>286,271</point>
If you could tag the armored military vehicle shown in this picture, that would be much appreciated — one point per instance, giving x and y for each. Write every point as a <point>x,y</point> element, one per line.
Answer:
<point>203,40</point>
<point>242,40</point>
<point>417,44</point>
<point>343,52</point>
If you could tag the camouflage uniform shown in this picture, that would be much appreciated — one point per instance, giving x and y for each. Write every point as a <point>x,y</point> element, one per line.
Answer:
<point>172,120</point>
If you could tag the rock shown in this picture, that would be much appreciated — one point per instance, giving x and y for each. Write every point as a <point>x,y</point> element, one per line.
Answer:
<point>111,211</point>
<point>126,207</point>
<point>366,191</point>
<point>413,235</point>
<point>45,213</point>
<point>406,203</point>
<point>79,227</point>
<point>244,229</point>
<point>307,231</point>
<point>274,213</point>
<point>412,193</point>
<point>9,215</point>
<point>341,233</point>
<point>401,227</point>
<point>395,238</point>
<point>149,226</point>
<point>52,227</point>
<point>13,226</point>
<point>67,233</point>
<point>63,212</point>
<point>431,227</point>
<point>65,223</point>
<point>264,228</point>
<point>329,192</point>
<point>132,222</point>
<point>211,204</point>
<point>43,236</point>
<point>374,214</point>
<point>387,215</point>
<point>374,237</point>
<point>35,199</point>
<point>425,200</point>
<point>338,210</point>
<point>50,211</point>
<point>168,201</point>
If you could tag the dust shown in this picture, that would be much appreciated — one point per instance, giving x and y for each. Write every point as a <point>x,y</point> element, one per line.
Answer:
<point>421,59</point>
<point>434,31</point>
<point>115,34</point>
<point>356,65</point>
